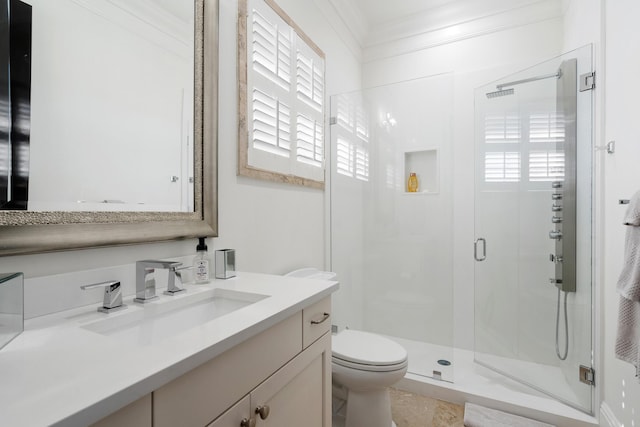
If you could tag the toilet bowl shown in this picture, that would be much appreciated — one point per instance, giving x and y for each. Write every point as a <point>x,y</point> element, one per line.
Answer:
<point>366,365</point>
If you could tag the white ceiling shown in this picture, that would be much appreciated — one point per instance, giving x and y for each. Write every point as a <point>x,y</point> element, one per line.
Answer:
<point>373,24</point>
<point>380,12</point>
<point>181,9</point>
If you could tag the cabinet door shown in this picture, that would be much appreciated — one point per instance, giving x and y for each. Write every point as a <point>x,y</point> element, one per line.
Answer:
<point>235,416</point>
<point>298,394</point>
<point>204,393</point>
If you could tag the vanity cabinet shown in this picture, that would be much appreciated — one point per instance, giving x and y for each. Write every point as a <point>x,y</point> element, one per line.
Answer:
<point>277,368</point>
<point>286,368</point>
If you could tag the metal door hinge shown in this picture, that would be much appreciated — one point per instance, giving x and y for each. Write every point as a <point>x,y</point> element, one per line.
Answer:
<point>587,375</point>
<point>333,120</point>
<point>587,81</point>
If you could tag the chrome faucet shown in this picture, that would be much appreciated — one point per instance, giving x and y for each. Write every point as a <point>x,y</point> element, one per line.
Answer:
<point>145,278</point>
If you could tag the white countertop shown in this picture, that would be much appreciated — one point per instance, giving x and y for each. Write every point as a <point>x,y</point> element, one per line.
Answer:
<point>58,373</point>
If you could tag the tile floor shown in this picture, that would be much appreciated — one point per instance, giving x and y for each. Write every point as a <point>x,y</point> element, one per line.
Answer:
<point>412,410</point>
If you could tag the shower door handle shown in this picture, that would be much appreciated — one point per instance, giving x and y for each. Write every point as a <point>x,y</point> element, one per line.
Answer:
<point>484,249</point>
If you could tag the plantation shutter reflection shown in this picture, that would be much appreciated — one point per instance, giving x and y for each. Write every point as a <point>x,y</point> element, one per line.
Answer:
<point>502,128</point>
<point>344,158</point>
<point>546,166</point>
<point>362,164</point>
<point>546,127</point>
<point>536,135</point>
<point>502,166</point>
<point>352,157</point>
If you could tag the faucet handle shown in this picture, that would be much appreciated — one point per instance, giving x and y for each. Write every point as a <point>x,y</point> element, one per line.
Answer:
<point>152,263</point>
<point>174,284</point>
<point>112,296</point>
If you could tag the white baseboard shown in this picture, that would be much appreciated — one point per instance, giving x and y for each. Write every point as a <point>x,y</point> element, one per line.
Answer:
<point>607,417</point>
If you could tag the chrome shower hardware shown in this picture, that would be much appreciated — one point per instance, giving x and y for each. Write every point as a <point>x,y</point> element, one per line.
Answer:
<point>501,91</point>
<point>484,249</point>
<point>556,235</point>
<point>555,258</point>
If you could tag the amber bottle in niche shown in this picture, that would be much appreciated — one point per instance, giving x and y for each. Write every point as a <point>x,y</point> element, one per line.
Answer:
<point>412,183</point>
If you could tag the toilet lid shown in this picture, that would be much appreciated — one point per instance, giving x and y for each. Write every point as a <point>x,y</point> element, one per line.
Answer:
<point>367,349</point>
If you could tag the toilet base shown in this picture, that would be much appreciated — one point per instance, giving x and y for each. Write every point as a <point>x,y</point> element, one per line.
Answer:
<point>369,408</point>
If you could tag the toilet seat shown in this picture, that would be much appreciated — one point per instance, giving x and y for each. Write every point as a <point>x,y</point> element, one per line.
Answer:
<point>368,368</point>
<point>367,352</point>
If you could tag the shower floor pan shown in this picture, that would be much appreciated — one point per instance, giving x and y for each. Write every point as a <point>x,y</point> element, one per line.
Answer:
<point>476,384</point>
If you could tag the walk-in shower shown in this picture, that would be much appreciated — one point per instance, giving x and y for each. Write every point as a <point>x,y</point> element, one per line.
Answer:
<point>528,210</point>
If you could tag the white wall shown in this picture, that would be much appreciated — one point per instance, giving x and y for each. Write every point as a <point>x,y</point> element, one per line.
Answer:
<point>621,180</point>
<point>274,228</point>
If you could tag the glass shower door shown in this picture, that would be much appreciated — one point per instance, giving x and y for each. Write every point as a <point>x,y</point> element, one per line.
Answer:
<point>533,225</point>
<point>393,248</point>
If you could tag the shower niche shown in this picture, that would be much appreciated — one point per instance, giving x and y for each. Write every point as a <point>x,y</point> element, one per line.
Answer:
<point>425,164</point>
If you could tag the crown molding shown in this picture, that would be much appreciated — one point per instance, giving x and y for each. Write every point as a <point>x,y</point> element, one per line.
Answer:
<point>347,21</point>
<point>353,18</point>
<point>454,22</point>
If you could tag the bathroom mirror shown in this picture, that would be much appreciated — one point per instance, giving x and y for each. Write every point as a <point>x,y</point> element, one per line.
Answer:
<point>102,219</point>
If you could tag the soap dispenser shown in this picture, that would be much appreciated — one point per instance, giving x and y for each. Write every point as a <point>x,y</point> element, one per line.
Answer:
<point>412,183</point>
<point>201,262</point>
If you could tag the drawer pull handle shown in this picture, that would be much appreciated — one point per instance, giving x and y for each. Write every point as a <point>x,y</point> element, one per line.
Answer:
<point>263,411</point>
<point>324,318</point>
<point>248,422</point>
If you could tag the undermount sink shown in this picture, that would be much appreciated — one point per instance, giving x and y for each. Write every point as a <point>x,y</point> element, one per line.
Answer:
<point>153,322</point>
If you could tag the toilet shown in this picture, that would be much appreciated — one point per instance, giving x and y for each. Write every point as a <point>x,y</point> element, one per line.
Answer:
<point>364,365</point>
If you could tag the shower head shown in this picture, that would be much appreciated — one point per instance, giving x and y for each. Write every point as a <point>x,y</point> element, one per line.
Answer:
<point>504,92</point>
<point>501,92</point>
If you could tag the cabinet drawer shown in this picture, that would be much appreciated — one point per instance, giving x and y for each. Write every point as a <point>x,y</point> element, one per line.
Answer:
<point>316,321</point>
<point>201,395</point>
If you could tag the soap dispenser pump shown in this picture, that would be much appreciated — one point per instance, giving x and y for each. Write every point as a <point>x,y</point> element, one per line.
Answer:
<point>201,262</point>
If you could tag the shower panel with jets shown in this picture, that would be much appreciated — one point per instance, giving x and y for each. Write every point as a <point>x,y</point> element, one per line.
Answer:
<point>533,221</point>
